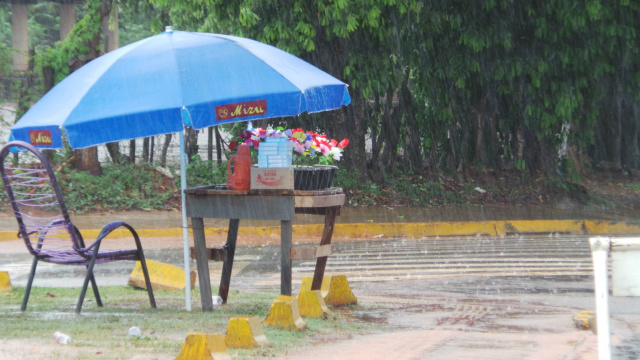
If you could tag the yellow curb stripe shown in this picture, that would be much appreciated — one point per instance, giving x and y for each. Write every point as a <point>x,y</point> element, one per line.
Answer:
<point>410,230</point>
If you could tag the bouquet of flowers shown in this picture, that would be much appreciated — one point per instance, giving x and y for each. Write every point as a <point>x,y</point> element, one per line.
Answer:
<point>309,147</point>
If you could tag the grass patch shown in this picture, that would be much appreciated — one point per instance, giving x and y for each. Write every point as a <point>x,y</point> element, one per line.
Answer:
<point>633,186</point>
<point>104,331</point>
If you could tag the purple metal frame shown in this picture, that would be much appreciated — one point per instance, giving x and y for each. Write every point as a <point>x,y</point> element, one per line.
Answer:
<point>46,228</point>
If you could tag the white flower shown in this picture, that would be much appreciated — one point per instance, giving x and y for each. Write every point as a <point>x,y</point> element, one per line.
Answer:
<point>336,153</point>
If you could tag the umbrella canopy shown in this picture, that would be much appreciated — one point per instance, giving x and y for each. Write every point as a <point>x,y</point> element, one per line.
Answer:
<point>161,84</point>
<point>157,85</point>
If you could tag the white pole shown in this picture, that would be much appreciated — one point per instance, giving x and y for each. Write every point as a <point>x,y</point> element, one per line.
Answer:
<point>185,224</point>
<point>600,253</point>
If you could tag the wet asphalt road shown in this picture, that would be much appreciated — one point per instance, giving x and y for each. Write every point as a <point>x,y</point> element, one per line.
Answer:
<point>477,286</point>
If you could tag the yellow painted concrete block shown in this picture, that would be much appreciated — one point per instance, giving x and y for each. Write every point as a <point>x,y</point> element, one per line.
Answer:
<point>611,227</point>
<point>5,282</point>
<point>324,287</point>
<point>340,292</point>
<point>284,314</point>
<point>163,276</point>
<point>335,290</point>
<point>311,304</point>
<point>199,346</point>
<point>584,319</point>
<point>245,332</point>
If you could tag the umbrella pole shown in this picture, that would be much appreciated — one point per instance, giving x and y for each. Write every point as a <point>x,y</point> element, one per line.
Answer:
<point>185,224</point>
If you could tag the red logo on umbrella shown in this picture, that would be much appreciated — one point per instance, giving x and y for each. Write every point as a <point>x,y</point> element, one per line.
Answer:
<point>240,110</point>
<point>40,137</point>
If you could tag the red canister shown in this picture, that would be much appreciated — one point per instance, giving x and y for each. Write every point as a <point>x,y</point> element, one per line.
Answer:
<point>241,177</point>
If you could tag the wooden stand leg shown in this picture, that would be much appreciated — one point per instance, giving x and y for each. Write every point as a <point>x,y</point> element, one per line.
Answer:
<point>286,233</point>
<point>327,233</point>
<point>230,247</point>
<point>202,263</point>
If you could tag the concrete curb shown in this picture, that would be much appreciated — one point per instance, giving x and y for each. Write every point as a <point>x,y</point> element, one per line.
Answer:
<point>409,230</point>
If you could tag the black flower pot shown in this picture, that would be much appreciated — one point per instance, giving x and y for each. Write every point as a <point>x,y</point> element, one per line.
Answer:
<point>313,177</point>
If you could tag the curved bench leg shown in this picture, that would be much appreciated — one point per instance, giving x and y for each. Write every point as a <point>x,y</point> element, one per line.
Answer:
<point>89,276</point>
<point>147,280</point>
<point>27,290</point>
<point>94,286</point>
<point>143,264</point>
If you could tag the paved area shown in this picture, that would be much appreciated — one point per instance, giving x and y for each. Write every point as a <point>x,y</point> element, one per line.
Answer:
<point>459,297</point>
<point>504,296</point>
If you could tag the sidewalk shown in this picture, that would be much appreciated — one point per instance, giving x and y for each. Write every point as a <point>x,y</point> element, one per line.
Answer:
<point>366,223</point>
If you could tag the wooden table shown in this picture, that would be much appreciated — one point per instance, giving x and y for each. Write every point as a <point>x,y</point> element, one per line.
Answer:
<point>207,202</point>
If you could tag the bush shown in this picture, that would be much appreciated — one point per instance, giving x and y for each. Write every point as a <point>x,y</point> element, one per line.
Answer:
<point>121,187</point>
<point>201,173</point>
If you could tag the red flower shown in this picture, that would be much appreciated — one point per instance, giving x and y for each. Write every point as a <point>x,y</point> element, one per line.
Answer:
<point>343,144</point>
<point>232,145</point>
<point>256,144</point>
<point>333,143</point>
<point>246,134</point>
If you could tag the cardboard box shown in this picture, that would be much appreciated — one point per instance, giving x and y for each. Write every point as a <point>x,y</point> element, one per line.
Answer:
<point>272,178</point>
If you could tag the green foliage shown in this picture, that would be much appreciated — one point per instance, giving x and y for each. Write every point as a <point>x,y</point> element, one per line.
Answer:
<point>121,187</point>
<point>5,39</point>
<point>202,172</point>
<point>449,82</point>
<point>77,43</point>
<point>423,193</point>
<point>633,186</point>
<point>361,193</point>
<point>139,20</point>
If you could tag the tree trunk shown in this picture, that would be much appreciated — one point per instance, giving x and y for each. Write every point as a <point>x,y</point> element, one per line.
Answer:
<point>630,154</point>
<point>376,137</point>
<point>165,148</point>
<point>210,143</point>
<point>634,141</point>
<point>191,143</point>
<point>413,151</point>
<point>87,160</point>
<point>218,145</point>
<point>114,152</point>
<point>390,124</point>
<point>452,156</point>
<point>617,124</point>
<point>479,158</point>
<point>355,155</point>
<point>463,142</point>
<point>145,149</point>
<point>152,141</point>
<point>132,151</point>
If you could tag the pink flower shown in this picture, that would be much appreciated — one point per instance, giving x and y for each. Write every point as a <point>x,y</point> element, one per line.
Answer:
<point>324,149</point>
<point>299,148</point>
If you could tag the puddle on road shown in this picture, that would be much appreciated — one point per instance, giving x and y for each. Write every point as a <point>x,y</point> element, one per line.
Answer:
<point>370,316</point>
